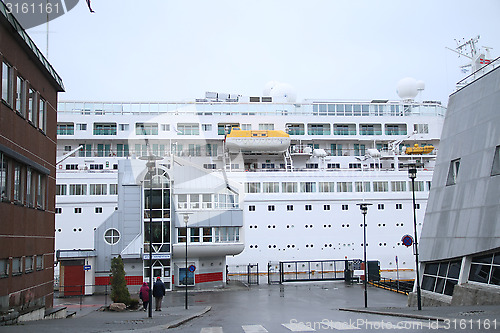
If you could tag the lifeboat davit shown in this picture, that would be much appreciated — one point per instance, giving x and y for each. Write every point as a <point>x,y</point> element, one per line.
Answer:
<point>257,141</point>
<point>417,150</point>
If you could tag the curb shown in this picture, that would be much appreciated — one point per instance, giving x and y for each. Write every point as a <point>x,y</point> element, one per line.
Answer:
<point>395,314</point>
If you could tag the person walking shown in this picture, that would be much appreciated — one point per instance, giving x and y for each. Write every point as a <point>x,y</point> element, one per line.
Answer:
<point>158,292</point>
<point>144,295</point>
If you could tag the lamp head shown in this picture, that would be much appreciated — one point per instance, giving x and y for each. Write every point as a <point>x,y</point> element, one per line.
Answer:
<point>364,207</point>
<point>412,171</point>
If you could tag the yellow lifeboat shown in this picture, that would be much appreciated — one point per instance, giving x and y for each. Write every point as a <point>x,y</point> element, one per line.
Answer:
<point>257,141</point>
<point>417,150</point>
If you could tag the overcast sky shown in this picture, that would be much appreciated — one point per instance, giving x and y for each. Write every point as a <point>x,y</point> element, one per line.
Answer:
<point>164,50</point>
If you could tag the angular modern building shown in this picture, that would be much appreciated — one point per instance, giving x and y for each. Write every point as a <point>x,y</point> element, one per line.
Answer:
<point>29,88</point>
<point>460,243</point>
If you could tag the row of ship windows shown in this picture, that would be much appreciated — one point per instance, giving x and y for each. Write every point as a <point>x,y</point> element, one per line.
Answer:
<point>81,189</point>
<point>78,210</point>
<point>310,246</point>
<point>20,96</point>
<point>325,226</point>
<point>272,208</point>
<point>68,128</point>
<point>329,187</point>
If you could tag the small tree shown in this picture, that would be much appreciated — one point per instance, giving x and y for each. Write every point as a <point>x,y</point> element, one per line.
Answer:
<point>119,290</point>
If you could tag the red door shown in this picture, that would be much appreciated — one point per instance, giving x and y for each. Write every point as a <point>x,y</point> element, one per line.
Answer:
<point>74,280</point>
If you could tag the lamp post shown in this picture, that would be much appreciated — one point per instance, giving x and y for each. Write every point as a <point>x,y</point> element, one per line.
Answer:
<point>151,164</point>
<point>186,220</point>
<point>412,174</point>
<point>364,209</point>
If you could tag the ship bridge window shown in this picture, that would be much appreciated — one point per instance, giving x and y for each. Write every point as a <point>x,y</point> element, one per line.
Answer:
<point>252,187</point>
<point>344,187</point>
<point>146,129</point>
<point>325,187</point>
<point>266,127</point>
<point>271,187</point>
<point>318,129</point>
<point>419,186</point>
<point>104,128</point>
<point>65,129</point>
<point>421,128</point>
<point>225,128</point>
<point>398,186</point>
<point>188,129</point>
<point>380,186</point>
<point>362,186</point>
<point>206,127</point>
<point>308,187</point>
<point>289,187</point>
<point>295,129</point>
<point>98,189</point>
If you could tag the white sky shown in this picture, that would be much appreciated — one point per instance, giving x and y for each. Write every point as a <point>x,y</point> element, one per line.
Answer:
<point>164,50</point>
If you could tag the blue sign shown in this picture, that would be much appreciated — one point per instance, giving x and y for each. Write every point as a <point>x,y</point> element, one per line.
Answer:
<point>86,268</point>
<point>192,268</point>
<point>407,240</point>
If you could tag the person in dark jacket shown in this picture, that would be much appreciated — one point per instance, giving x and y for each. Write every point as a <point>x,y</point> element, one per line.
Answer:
<point>158,292</point>
<point>144,295</point>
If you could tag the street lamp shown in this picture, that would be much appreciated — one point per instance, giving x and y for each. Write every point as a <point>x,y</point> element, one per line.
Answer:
<point>364,209</point>
<point>151,165</point>
<point>412,174</point>
<point>186,220</point>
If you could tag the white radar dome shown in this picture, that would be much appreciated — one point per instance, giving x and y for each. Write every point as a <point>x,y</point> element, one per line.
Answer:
<point>283,91</point>
<point>407,88</point>
<point>268,87</point>
<point>420,85</point>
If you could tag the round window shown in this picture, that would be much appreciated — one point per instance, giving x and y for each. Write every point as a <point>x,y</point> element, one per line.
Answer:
<point>111,236</point>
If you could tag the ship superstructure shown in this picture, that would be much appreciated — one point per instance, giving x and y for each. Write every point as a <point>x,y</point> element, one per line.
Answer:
<point>302,167</point>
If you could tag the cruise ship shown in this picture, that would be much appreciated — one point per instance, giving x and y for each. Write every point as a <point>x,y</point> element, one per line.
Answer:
<point>302,166</point>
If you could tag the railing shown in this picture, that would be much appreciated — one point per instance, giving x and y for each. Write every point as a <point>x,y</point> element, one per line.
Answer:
<point>247,274</point>
<point>399,286</point>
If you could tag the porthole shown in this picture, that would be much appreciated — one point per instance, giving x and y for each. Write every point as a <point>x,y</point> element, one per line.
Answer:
<point>112,236</point>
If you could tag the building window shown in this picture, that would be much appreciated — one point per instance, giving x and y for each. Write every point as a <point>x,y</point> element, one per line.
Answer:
<point>42,115</point>
<point>495,168</point>
<point>207,235</point>
<point>98,189</point>
<point>270,187</point>
<point>206,201</point>
<point>65,129</point>
<point>270,208</point>
<point>17,268</point>
<point>381,206</point>
<point>362,186</point>
<point>39,262</point>
<point>21,96</point>
<point>345,207</point>
<point>78,210</point>
<point>77,189</point>
<point>194,235</point>
<point>441,277</point>
<point>98,210</point>
<point>227,234</point>
<point>251,208</point>
<point>18,184</point>
<point>146,129</point>
<point>289,207</point>
<point>7,83</point>
<point>58,210</point>
<point>344,187</point>
<point>105,129</point>
<point>188,129</point>
<point>326,207</point>
<point>4,268</point>
<point>399,206</point>
<point>252,187</point>
<point>453,172</point>
<point>4,176</point>
<point>206,127</point>
<point>398,186</point>
<point>40,192</point>
<point>380,186</point>
<point>28,264</point>
<point>32,106</point>
<point>111,236</point>
<point>485,269</point>
<point>181,235</point>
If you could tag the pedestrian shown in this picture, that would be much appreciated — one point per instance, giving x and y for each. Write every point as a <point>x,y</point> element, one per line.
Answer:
<point>144,295</point>
<point>158,292</point>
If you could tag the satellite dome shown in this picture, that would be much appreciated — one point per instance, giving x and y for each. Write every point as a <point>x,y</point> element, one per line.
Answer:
<point>407,88</point>
<point>284,91</point>
<point>268,87</point>
<point>420,85</point>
